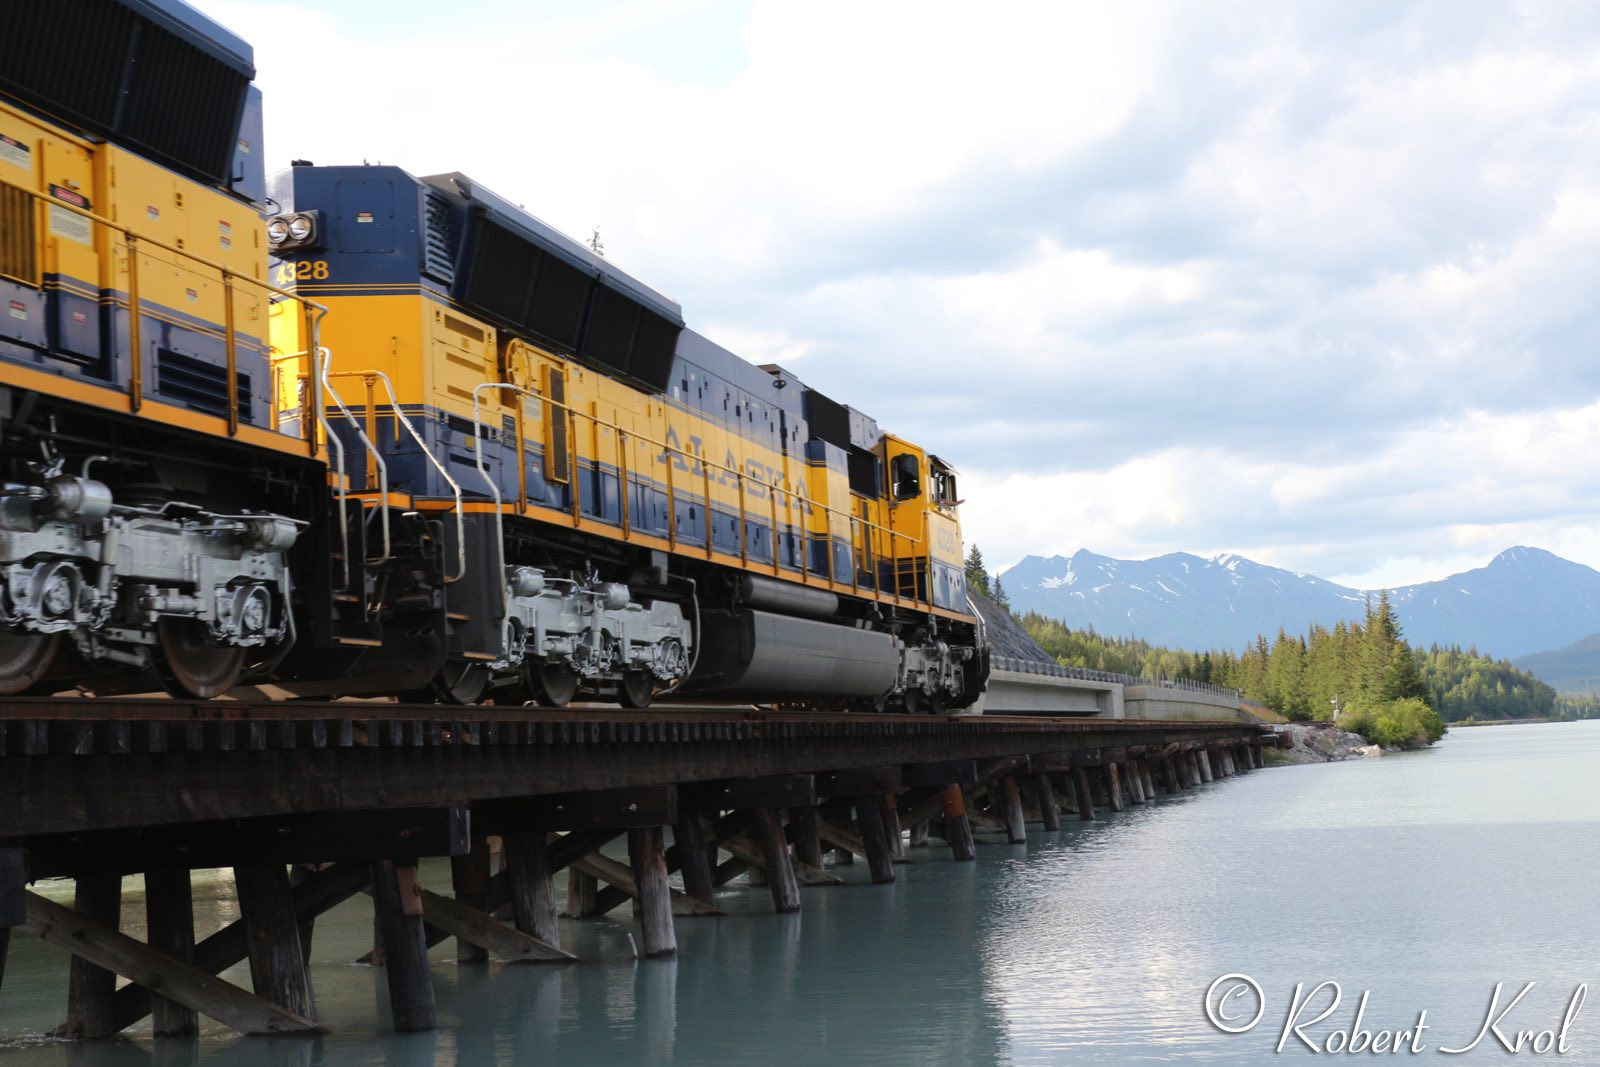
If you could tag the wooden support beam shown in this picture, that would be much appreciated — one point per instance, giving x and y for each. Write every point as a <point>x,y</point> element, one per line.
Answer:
<point>474,926</point>
<point>91,987</point>
<point>875,836</point>
<point>1149,781</point>
<point>469,878</point>
<point>320,892</point>
<point>1046,794</point>
<point>957,828</point>
<point>533,894</point>
<point>277,966</point>
<point>992,772</point>
<point>1011,810</point>
<point>118,953</point>
<point>601,809</point>
<point>1066,792</point>
<point>323,837</point>
<point>397,901</point>
<point>938,775</point>
<point>750,851</point>
<point>1255,754</point>
<point>582,891</point>
<point>13,887</point>
<point>169,918</point>
<point>1080,785</point>
<point>1114,786</point>
<point>1135,783</point>
<point>919,834</point>
<point>859,782</point>
<point>891,827</point>
<point>776,791</point>
<point>1203,762</point>
<point>647,855</point>
<point>621,877</point>
<point>780,870</point>
<point>693,855</point>
<point>803,826</point>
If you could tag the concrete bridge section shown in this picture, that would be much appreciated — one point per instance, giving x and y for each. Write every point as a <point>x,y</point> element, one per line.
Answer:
<point>1020,686</point>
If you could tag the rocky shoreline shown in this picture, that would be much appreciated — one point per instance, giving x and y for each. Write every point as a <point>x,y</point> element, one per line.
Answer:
<point>1319,742</point>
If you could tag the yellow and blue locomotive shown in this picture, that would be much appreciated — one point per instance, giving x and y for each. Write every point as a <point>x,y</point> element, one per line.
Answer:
<point>432,446</point>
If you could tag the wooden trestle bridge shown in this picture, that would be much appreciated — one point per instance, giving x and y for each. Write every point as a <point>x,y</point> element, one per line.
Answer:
<point>312,804</point>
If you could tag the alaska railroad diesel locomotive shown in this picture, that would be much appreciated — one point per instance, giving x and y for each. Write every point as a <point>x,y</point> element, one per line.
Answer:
<point>355,432</point>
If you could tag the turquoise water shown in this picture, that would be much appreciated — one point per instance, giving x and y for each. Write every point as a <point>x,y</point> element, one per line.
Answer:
<point>1423,879</point>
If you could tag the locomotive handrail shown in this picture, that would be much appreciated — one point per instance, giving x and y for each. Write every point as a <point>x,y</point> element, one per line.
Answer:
<point>404,420</point>
<point>372,449</point>
<point>706,465</point>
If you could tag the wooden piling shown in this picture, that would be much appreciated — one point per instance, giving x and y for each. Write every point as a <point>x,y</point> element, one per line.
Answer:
<point>957,827</point>
<point>1169,772</point>
<point>1203,761</point>
<point>469,878</point>
<point>919,839</point>
<point>780,871</point>
<point>1130,775</point>
<point>1255,753</point>
<point>169,917</point>
<point>397,902</point>
<point>1114,787</point>
<point>1011,810</point>
<point>277,966</point>
<point>807,841</point>
<point>529,877</point>
<point>875,837</point>
<point>892,829</point>
<point>647,855</point>
<point>694,858</point>
<point>1080,785</point>
<point>91,989</point>
<point>583,891</point>
<point>1047,802</point>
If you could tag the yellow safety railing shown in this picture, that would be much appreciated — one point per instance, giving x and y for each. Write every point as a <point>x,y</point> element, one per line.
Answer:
<point>866,537</point>
<point>226,276</point>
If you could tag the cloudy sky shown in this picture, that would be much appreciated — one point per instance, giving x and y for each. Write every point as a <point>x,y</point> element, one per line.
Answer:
<point>1312,283</point>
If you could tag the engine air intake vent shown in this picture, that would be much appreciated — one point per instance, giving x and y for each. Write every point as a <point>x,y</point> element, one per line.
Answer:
<point>18,244</point>
<point>199,385</point>
<point>439,239</point>
<point>172,89</point>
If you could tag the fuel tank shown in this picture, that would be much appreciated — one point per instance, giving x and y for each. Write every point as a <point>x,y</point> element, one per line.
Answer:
<point>759,656</point>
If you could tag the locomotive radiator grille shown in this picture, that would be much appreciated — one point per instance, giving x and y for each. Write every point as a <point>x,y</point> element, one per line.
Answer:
<point>18,244</point>
<point>198,384</point>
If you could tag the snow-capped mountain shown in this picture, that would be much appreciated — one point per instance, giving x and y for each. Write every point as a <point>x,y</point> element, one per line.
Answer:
<point>1524,600</point>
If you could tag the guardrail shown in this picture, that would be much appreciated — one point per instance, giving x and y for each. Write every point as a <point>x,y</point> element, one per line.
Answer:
<point>1030,666</point>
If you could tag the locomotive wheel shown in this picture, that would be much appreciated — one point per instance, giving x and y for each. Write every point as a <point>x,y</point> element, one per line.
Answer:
<point>636,689</point>
<point>912,699</point>
<point>459,682</point>
<point>24,659</point>
<point>188,666</point>
<point>936,702</point>
<point>553,685</point>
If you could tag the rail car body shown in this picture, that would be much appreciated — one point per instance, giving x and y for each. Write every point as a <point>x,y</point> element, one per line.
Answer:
<point>430,444</point>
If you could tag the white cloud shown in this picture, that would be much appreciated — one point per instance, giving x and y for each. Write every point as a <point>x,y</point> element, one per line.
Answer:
<point>1312,282</point>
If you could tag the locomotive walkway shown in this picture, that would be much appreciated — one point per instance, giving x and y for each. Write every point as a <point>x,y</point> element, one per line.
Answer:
<point>311,804</point>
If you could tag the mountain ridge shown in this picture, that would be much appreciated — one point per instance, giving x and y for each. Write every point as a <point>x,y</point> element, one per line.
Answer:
<point>1525,600</point>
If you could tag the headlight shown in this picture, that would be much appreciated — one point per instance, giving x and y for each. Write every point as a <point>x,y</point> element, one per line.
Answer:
<point>300,227</point>
<point>277,231</point>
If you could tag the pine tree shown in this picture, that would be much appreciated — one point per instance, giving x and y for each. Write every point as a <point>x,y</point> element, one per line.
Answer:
<point>998,593</point>
<point>977,576</point>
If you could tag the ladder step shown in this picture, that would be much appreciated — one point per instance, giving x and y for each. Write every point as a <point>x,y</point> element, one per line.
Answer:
<point>359,642</point>
<point>457,616</point>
